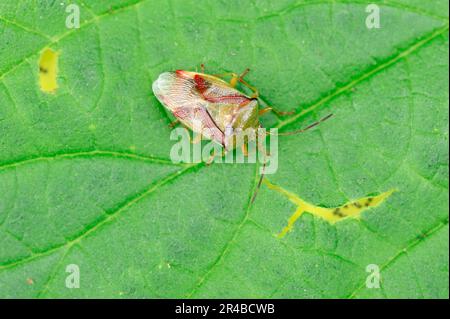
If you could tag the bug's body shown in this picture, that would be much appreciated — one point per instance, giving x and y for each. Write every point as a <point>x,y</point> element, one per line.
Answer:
<point>207,105</point>
<point>214,108</point>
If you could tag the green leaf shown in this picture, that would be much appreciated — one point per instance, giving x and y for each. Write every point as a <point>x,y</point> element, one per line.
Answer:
<point>86,179</point>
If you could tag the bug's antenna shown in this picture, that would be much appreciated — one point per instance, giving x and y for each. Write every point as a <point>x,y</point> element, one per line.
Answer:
<point>259,184</point>
<point>262,172</point>
<point>306,128</point>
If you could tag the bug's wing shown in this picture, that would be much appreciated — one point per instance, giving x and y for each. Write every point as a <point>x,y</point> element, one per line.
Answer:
<point>180,95</point>
<point>174,92</point>
<point>225,103</point>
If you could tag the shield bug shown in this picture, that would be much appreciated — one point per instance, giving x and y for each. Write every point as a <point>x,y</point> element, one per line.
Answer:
<point>215,108</point>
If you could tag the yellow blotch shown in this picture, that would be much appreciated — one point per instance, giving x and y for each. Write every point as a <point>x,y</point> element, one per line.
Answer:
<point>48,69</point>
<point>352,209</point>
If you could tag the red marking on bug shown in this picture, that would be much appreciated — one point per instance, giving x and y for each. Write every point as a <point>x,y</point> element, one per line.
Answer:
<point>230,99</point>
<point>200,83</point>
<point>180,113</point>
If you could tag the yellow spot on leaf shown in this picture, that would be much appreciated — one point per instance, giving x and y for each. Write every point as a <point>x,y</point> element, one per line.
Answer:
<point>48,69</point>
<point>352,209</point>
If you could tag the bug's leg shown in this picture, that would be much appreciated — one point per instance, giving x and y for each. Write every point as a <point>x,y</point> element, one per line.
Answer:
<point>251,87</point>
<point>211,158</point>
<point>234,80</point>
<point>262,173</point>
<point>238,78</point>
<point>244,149</point>
<point>241,77</point>
<point>264,110</point>
<point>263,149</point>
<point>172,125</point>
<point>234,77</point>
<point>269,108</point>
